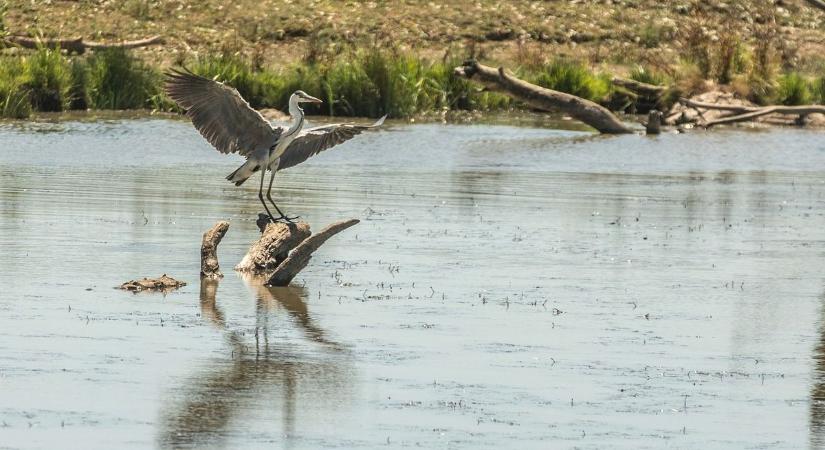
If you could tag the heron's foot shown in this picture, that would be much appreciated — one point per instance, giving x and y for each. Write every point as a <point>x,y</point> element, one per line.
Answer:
<point>287,219</point>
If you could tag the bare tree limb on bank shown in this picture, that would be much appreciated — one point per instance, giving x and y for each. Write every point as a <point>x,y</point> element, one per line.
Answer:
<point>544,99</point>
<point>650,90</point>
<point>78,45</point>
<point>747,113</point>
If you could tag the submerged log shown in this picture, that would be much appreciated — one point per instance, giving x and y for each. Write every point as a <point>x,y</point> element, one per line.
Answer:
<point>164,283</point>
<point>544,99</point>
<point>78,45</point>
<point>209,250</point>
<point>301,255</point>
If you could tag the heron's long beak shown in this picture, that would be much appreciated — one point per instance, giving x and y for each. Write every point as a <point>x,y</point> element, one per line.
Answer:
<point>313,99</point>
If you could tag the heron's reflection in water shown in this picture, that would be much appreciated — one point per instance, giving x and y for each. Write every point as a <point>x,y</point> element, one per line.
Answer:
<point>273,379</point>
<point>817,401</point>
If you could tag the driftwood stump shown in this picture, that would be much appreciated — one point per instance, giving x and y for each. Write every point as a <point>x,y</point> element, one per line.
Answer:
<point>209,250</point>
<point>272,248</point>
<point>544,99</point>
<point>284,249</point>
<point>654,122</point>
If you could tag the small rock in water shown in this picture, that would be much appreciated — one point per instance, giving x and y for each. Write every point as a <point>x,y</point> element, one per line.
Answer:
<point>163,283</point>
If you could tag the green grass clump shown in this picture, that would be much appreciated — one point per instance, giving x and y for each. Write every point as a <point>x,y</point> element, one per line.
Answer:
<point>793,89</point>
<point>118,80</point>
<point>48,77</point>
<point>649,76</point>
<point>651,35</point>
<point>375,82</point>
<point>347,90</point>
<point>14,94</point>
<point>818,91</point>
<point>573,78</point>
<point>79,98</point>
<point>259,87</point>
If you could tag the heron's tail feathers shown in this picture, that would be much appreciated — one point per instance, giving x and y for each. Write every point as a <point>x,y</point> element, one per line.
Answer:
<point>241,174</point>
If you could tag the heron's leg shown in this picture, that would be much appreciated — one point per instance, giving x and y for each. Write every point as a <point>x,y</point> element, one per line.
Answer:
<point>261,194</point>
<point>269,197</point>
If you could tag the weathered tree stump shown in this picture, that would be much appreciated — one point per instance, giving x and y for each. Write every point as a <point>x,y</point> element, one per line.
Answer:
<point>209,250</point>
<point>544,99</point>
<point>654,122</point>
<point>284,249</point>
<point>272,248</point>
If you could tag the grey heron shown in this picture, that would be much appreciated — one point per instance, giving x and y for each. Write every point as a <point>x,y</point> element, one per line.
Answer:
<point>227,121</point>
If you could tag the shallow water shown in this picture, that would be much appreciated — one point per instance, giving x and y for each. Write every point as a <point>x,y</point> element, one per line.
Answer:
<point>507,288</point>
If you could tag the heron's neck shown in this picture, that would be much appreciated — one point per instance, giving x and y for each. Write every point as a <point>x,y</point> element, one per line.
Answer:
<point>297,117</point>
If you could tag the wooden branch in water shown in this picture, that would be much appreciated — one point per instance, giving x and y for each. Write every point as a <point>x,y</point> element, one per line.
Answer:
<point>739,109</point>
<point>747,113</point>
<point>654,122</point>
<point>272,248</point>
<point>209,250</point>
<point>78,45</point>
<point>544,99</point>
<point>164,283</point>
<point>299,258</point>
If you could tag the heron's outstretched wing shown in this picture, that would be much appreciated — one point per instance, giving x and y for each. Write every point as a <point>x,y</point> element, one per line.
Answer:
<point>312,141</point>
<point>220,114</point>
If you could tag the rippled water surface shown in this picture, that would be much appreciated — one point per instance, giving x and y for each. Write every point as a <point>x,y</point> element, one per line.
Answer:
<point>508,287</point>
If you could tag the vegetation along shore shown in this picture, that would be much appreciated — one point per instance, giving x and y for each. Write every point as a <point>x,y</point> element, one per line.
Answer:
<point>759,51</point>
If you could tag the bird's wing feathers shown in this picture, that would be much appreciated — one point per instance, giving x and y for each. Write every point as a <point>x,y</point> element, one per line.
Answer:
<point>312,141</point>
<point>220,114</point>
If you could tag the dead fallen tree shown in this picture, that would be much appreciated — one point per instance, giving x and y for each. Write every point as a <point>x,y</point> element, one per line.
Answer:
<point>638,87</point>
<point>741,113</point>
<point>284,249</point>
<point>544,99</point>
<point>78,45</point>
<point>637,97</point>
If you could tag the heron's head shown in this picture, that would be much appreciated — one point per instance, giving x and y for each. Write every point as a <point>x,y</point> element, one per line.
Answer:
<point>303,97</point>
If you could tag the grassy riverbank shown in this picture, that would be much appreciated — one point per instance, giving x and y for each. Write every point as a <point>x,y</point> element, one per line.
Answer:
<point>747,49</point>
<point>357,83</point>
